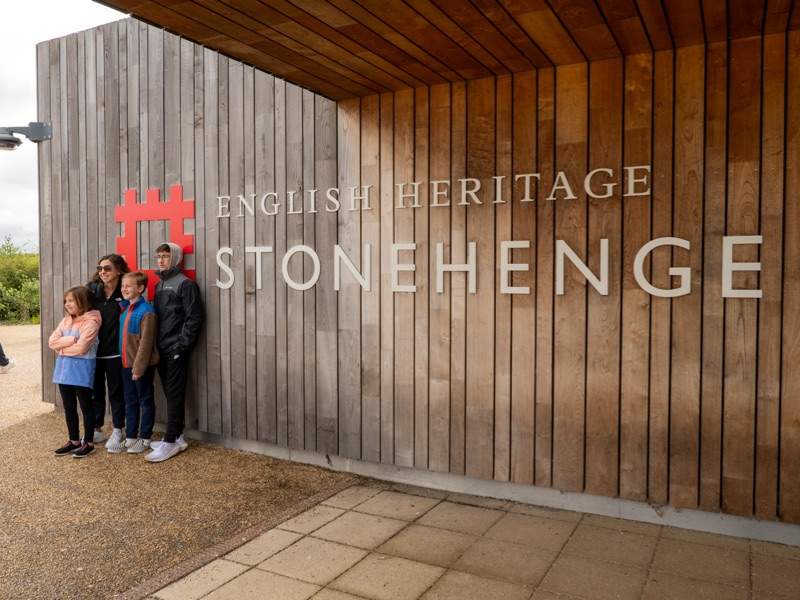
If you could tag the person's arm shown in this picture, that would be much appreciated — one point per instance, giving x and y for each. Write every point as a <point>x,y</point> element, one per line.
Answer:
<point>147,340</point>
<point>193,309</point>
<point>59,341</point>
<point>88,334</point>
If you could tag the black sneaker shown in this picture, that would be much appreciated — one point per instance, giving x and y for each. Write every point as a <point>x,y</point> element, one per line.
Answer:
<point>67,448</point>
<point>85,450</point>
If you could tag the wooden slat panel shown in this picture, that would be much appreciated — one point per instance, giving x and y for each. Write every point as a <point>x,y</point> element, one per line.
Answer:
<point>713,303</point>
<point>225,297</point>
<point>545,246</point>
<point>458,281</point>
<point>387,296</point>
<point>626,25</point>
<point>587,27</point>
<point>281,289</point>
<point>371,301</point>
<point>544,28</point>
<point>155,134</point>
<point>789,500</point>
<point>777,17</point>
<point>72,249</point>
<point>769,316</point>
<point>404,301</point>
<point>660,261</point>
<point>249,279</point>
<point>508,26</point>
<point>439,341</point>
<point>523,306</point>
<point>603,403</point>
<point>741,314</point>
<point>652,12</point>
<point>348,137</point>
<point>747,18</point>
<point>421,279</point>
<point>45,159</point>
<point>90,58</point>
<point>309,296</point>
<point>502,313</point>
<point>83,224</point>
<point>480,367</point>
<point>685,22</point>
<point>265,236</point>
<point>569,360</point>
<point>211,238</point>
<point>715,19</point>
<point>635,375</point>
<point>686,310</point>
<point>327,352</point>
<point>294,237</point>
<point>144,254</point>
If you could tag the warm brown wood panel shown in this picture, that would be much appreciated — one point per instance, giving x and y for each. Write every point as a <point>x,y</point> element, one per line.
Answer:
<point>688,401</point>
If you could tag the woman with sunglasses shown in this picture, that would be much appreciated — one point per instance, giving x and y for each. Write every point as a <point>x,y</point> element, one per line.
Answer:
<point>105,294</point>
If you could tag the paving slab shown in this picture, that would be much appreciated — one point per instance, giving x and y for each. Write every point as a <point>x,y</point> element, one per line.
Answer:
<point>509,562</point>
<point>329,594</point>
<point>478,501</point>
<point>260,585</point>
<point>429,545</point>
<point>545,512</point>
<point>419,491</point>
<point>313,560</point>
<point>776,575</point>
<point>697,561</point>
<point>201,582</point>
<point>707,539</point>
<point>622,524</point>
<point>351,497</point>
<point>548,535</point>
<point>665,586</point>
<point>590,579</point>
<point>261,548</point>
<point>610,545</point>
<point>397,505</point>
<point>360,530</point>
<point>454,585</point>
<point>312,519</point>
<point>472,520</point>
<point>779,550</point>
<point>388,578</point>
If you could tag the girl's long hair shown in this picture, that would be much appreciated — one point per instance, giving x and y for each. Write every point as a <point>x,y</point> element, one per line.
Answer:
<point>81,295</point>
<point>115,260</point>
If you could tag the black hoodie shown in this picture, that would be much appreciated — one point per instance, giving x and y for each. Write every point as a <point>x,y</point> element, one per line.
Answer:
<point>179,307</point>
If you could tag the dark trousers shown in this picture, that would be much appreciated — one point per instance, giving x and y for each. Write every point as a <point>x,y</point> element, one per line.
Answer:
<point>71,395</point>
<point>3,357</point>
<point>108,370</point>
<point>139,400</point>
<point>173,373</point>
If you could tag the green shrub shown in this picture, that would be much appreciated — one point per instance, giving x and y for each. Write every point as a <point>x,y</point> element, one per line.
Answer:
<point>19,284</point>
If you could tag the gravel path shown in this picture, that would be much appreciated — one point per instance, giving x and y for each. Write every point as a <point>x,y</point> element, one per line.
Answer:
<point>21,387</point>
<point>90,528</point>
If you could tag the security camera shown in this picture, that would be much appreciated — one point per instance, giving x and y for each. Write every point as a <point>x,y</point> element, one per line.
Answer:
<point>8,141</point>
<point>35,132</point>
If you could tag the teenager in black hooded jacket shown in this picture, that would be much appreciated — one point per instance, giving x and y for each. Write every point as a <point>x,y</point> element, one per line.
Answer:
<point>180,317</point>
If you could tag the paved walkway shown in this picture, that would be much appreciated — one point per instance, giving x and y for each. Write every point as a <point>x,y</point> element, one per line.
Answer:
<point>407,543</point>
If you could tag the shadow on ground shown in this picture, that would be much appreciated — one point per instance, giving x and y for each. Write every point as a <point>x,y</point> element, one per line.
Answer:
<point>94,527</point>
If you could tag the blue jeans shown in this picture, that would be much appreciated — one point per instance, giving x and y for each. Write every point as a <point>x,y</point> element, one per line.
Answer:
<point>139,397</point>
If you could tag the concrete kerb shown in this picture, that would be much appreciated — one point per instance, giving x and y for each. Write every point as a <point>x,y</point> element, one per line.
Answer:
<point>146,588</point>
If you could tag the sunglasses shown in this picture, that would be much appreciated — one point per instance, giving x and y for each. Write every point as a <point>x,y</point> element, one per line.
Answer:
<point>106,268</point>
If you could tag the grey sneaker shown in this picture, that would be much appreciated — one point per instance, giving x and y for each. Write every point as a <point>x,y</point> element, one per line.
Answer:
<point>99,438</point>
<point>137,446</point>
<point>116,443</point>
<point>181,441</point>
<point>8,367</point>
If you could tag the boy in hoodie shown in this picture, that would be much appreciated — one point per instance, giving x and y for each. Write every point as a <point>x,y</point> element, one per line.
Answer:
<point>137,334</point>
<point>180,316</point>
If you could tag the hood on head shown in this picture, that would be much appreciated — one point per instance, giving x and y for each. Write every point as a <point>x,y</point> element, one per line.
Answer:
<point>176,255</point>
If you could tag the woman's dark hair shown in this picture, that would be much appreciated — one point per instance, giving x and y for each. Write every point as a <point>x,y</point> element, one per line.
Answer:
<point>81,295</point>
<point>115,260</point>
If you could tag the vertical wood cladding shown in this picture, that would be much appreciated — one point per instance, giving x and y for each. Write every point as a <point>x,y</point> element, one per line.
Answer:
<point>692,401</point>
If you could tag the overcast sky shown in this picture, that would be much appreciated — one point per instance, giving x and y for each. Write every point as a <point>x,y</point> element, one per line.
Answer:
<point>23,24</point>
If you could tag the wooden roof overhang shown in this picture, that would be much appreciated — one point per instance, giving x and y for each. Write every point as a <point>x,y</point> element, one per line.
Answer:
<point>346,48</point>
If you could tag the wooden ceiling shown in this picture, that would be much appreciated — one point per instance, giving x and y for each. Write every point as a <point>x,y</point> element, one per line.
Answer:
<point>345,48</point>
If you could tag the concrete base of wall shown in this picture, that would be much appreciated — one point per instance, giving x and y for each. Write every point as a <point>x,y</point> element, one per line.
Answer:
<point>771,531</point>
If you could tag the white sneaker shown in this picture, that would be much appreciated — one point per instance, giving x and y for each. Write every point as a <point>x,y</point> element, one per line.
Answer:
<point>116,443</point>
<point>8,367</point>
<point>164,451</point>
<point>181,441</point>
<point>138,446</point>
<point>98,437</point>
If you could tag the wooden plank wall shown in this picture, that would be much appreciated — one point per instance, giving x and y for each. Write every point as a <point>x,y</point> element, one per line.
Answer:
<point>692,401</point>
